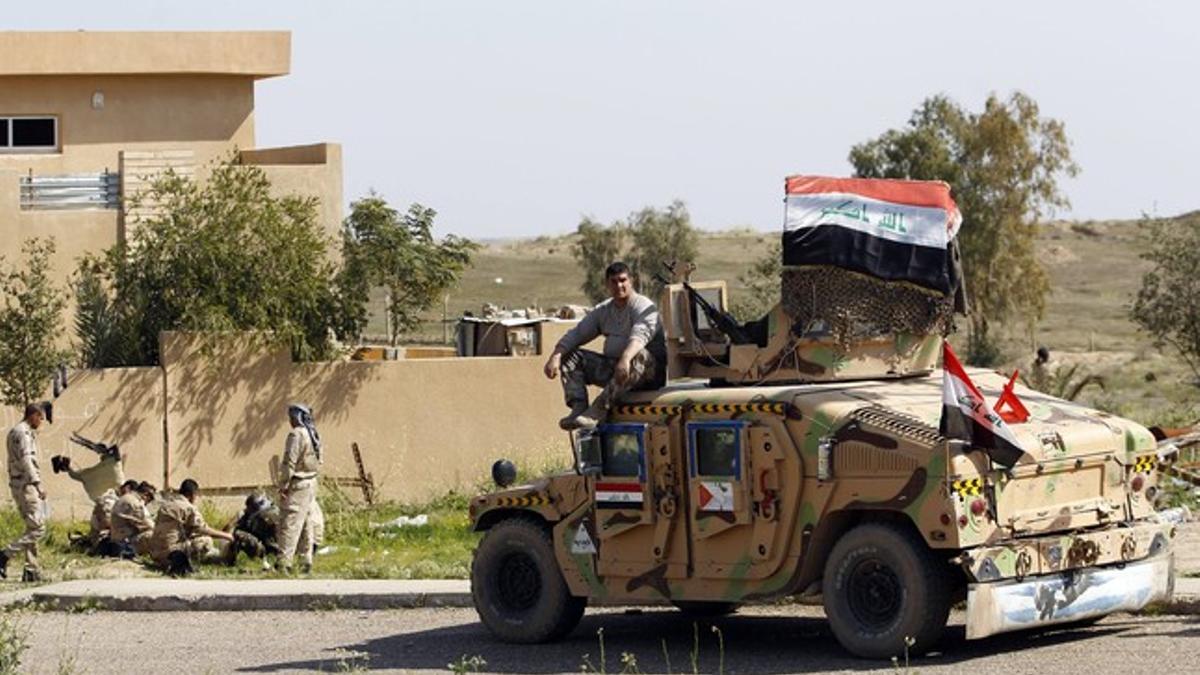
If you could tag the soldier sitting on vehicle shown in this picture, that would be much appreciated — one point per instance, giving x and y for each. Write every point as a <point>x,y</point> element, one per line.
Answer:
<point>131,521</point>
<point>634,358</point>
<point>181,538</point>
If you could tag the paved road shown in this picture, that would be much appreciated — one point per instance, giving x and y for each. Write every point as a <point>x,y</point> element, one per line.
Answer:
<point>759,640</point>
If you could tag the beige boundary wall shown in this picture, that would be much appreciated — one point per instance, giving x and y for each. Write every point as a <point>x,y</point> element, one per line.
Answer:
<point>424,426</point>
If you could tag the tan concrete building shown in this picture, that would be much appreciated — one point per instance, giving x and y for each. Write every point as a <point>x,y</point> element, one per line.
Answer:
<point>87,118</point>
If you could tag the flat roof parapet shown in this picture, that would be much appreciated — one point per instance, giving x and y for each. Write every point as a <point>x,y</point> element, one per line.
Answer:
<point>257,54</point>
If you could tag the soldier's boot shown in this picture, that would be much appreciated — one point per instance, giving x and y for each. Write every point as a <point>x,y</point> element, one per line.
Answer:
<point>596,412</point>
<point>572,421</point>
<point>178,564</point>
<point>3,565</point>
<point>31,575</point>
<point>306,567</point>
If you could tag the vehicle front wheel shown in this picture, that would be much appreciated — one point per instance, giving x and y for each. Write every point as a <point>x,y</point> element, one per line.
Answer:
<point>518,590</point>
<point>882,586</point>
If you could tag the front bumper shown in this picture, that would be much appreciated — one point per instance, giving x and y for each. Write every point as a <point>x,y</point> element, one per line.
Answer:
<point>1049,599</point>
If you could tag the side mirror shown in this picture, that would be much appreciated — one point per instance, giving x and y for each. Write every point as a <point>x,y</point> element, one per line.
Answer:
<point>588,457</point>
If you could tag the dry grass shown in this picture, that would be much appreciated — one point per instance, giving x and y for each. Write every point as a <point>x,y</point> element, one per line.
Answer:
<point>1094,269</point>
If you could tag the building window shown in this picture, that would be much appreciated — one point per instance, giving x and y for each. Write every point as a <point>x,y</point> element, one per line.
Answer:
<point>28,134</point>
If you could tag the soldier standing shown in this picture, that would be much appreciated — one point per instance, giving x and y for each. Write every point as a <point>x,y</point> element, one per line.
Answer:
<point>635,352</point>
<point>25,480</point>
<point>298,488</point>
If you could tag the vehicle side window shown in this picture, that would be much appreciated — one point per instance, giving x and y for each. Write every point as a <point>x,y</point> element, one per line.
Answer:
<point>716,450</point>
<point>622,453</point>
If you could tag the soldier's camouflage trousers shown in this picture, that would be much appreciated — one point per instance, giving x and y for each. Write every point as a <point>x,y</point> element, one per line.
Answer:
<point>583,367</point>
<point>295,522</point>
<point>202,550</point>
<point>29,505</point>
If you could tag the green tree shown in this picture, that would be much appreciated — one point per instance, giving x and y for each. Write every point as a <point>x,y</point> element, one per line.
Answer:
<point>30,322</point>
<point>220,255</point>
<point>763,282</point>
<point>102,333</point>
<point>1003,165</point>
<point>398,252</point>
<point>596,248</point>
<point>660,236</point>
<point>645,240</point>
<point>1166,304</point>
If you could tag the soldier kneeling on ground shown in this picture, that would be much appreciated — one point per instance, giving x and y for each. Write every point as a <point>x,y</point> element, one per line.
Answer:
<point>99,540</point>
<point>131,521</point>
<point>255,533</point>
<point>181,539</point>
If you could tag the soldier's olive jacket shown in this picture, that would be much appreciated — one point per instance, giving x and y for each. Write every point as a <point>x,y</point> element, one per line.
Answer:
<point>178,520</point>
<point>23,456</point>
<point>129,518</point>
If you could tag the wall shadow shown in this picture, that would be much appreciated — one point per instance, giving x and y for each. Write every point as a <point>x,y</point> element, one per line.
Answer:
<point>235,390</point>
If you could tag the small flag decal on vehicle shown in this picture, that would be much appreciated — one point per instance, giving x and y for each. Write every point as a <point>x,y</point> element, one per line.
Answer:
<point>716,496</point>
<point>619,495</point>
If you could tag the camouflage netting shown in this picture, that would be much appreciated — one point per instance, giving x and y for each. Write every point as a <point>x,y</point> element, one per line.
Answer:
<point>849,306</point>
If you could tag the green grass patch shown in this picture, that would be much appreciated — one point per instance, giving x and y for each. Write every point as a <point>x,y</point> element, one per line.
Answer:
<point>59,561</point>
<point>361,544</point>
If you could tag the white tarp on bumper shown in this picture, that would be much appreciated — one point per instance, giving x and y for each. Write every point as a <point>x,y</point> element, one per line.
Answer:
<point>1070,596</point>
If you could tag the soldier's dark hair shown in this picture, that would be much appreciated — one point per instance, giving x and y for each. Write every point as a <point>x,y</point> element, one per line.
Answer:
<point>32,408</point>
<point>614,269</point>
<point>146,488</point>
<point>189,488</point>
<point>129,485</point>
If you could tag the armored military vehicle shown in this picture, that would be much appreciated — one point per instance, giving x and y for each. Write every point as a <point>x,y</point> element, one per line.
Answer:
<point>809,454</point>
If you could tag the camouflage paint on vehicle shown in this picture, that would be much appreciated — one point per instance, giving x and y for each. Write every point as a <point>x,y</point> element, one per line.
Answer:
<point>1068,506</point>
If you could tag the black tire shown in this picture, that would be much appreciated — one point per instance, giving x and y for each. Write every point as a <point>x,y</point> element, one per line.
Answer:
<point>519,592</point>
<point>705,608</point>
<point>882,584</point>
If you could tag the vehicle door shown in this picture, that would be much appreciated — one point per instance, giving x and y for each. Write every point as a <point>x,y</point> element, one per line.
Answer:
<point>637,495</point>
<point>736,479</point>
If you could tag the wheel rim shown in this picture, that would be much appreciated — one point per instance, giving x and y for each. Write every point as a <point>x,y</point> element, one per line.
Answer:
<point>518,581</point>
<point>875,593</point>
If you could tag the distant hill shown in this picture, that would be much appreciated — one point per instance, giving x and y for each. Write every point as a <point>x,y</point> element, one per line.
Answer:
<point>1094,268</point>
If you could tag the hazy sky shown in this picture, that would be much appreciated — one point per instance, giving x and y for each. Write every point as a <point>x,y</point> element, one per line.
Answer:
<point>515,118</point>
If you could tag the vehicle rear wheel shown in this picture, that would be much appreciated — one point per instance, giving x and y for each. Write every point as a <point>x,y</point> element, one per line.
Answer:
<point>882,585</point>
<point>705,608</point>
<point>518,590</point>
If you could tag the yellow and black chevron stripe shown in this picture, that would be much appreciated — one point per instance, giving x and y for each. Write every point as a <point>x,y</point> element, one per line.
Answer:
<point>970,487</point>
<point>1145,464</point>
<point>529,500</point>
<point>710,408</point>
<point>733,408</point>
<point>648,410</point>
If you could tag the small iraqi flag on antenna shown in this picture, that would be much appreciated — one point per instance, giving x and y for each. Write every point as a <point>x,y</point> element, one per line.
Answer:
<point>967,417</point>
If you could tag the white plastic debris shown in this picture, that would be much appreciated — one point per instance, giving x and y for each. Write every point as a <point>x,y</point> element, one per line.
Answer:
<point>1179,514</point>
<point>404,521</point>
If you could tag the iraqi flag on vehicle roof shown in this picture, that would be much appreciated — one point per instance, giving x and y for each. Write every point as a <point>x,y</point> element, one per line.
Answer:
<point>966,416</point>
<point>896,230</point>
